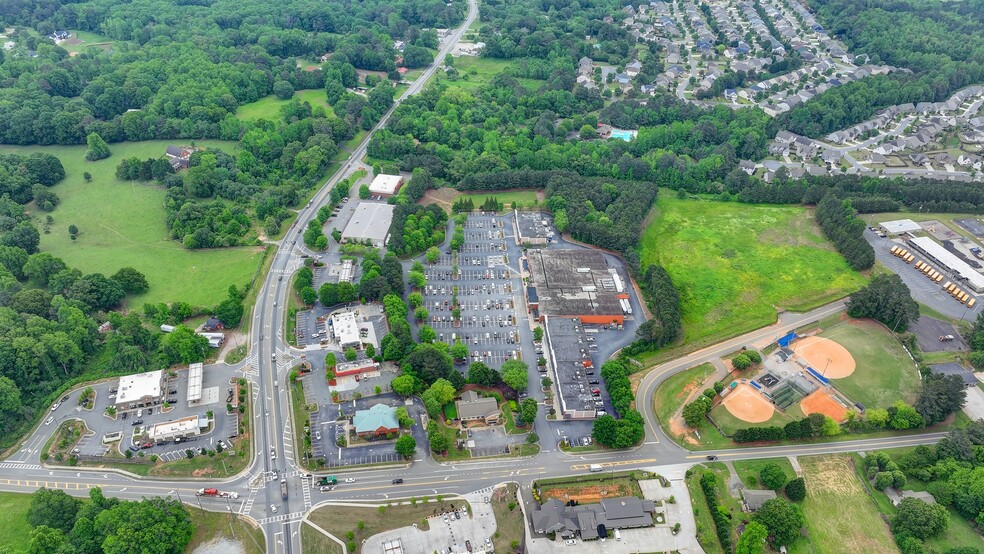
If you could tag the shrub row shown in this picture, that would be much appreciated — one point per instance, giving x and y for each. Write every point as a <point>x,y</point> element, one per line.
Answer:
<point>722,521</point>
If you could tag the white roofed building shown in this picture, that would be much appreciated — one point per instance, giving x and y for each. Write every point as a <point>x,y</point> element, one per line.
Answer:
<point>137,391</point>
<point>900,226</point>
<point>386,185</point>
<point>346,330</point>
<point>370,222</point>
<point>190,426</point>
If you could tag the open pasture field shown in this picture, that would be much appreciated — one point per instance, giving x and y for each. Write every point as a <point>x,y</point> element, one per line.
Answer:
<point>268,107</point>
<point>15,532</point>
<point>736,264</point>
<point>122,223</point>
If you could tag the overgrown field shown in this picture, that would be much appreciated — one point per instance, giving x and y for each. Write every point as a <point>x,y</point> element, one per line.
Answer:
<point>840,517</point>
<point>736,264</point>
<point>14,529</point>
<point>123,224</point>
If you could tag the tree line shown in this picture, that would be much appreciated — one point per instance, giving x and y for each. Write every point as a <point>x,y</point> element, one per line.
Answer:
<point>841,224</point>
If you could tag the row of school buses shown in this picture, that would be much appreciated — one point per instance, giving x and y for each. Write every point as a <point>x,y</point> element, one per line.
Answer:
<point>935,276</point>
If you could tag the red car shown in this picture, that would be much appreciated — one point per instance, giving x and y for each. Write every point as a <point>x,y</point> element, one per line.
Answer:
<point>147,445</point>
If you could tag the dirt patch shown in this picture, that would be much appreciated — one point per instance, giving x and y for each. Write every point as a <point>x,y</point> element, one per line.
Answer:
<point>679,429</point>
<point>202,472</point>
<point>748,405</point>
<point>442,197</point>
<point>585,493</point>
<point>819,402</point>
<point>218,546</point>
<point>826,355</point>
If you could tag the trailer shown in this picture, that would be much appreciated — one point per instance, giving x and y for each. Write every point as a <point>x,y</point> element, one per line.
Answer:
<point>217,493</point>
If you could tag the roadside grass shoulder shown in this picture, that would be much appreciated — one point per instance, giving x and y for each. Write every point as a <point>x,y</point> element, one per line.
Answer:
<point>15,532</point>
<point>338,522</point>
<point>748,470</point>
<point>673,392</point>
<point>314,542</point>
<point>226,529</point>
<point>509,525</point>
<point>123,224</point>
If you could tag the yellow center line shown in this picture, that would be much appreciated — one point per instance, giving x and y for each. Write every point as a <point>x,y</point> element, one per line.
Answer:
<point>614,464</point>
<point>823,449</point>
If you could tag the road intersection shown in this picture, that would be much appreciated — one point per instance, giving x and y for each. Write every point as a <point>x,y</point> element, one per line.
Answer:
<point>270,360</point>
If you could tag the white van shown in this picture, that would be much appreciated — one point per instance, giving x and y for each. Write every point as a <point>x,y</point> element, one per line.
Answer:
<point>618,536</point>
<point>594,468</point>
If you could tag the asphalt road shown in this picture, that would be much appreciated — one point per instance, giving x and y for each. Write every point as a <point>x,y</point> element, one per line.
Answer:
<point>271,358</point>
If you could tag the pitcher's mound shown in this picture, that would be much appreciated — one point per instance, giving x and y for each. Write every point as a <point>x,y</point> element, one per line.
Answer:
<point>747,405</point>
<point>825,356</point>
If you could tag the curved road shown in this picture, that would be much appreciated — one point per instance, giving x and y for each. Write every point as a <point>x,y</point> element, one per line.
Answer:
<point>258,486</point>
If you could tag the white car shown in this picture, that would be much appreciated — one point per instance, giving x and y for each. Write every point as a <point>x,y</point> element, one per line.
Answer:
<point>49,420</point>
<point>350,480</point>
<point>55,406</point>
<point>273,508</point>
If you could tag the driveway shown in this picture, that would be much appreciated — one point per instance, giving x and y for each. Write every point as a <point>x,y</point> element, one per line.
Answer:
<point>974,408</point>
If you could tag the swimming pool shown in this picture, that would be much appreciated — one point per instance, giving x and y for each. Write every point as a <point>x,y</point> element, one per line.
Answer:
<point>624,135</point>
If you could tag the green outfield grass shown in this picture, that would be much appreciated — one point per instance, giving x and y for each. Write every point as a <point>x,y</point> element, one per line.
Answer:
<point>268,107</point>
<point>840,517</point>
<point>748,470</point>
<point>729,423</point>
<point>123,224</point>
<point>735,264</point>
<point>15,532</point>
<point>884,372</point>
<point>89,40</point>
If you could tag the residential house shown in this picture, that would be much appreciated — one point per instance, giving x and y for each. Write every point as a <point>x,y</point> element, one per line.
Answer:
<point>919,158</point>
<point>474,407</point>
<point>179,156</point>
<point>633,68</point>
<point>754,499</point>
<point>747,166</point>
<point>585,67</point>
<point>378,421</point>
<point>730,94</point>
<point>213,324</point>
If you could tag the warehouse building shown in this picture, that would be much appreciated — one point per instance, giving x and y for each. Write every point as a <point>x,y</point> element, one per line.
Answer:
<point>385,185</point>
<point>959,269</point>
<point>140,390</point>
<point>577,283</point>
<point>531,228</point>
<point>370,222</point>
<point>900,226</point>
<point>570,362</point>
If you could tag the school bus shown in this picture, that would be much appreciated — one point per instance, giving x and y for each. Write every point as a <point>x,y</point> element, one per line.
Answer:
<point>971,302</point>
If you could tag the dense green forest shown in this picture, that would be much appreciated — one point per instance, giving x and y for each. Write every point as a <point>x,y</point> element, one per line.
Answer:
<point>942,49</point>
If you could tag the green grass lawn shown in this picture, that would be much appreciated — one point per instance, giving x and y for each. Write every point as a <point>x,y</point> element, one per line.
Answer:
<point>123,224</point>
<point>89,40</point>
<point>314,542</point>
<point>840,517</point>
<point>14,529</point>
<point>268,107</point>
<point>750,260</point>
<point>748,470</point>
<point>521,197</point>
<point>884,372</point>
<point>674,391</point>
<point>706,530</point>
<point>475,72</point>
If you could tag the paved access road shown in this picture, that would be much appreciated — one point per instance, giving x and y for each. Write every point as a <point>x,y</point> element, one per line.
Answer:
<point>271,358</point>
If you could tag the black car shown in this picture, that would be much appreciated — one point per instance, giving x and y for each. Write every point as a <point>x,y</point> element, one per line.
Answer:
<point>397,481</point>
<point>593,382</point>
<point>712,457</point>
<point>173,391</point>
<point>64,399</point>
<point>137,422</point>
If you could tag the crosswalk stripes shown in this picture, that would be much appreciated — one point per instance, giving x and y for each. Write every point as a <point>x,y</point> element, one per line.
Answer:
<point>306,485</point>
<point>248,505</point>
<point>10,465</point>
<point>283,517</point>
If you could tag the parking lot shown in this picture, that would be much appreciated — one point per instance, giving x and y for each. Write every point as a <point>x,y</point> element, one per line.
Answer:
<point>224,427</point>
<point>455,531</point>
<point>487,292</point>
